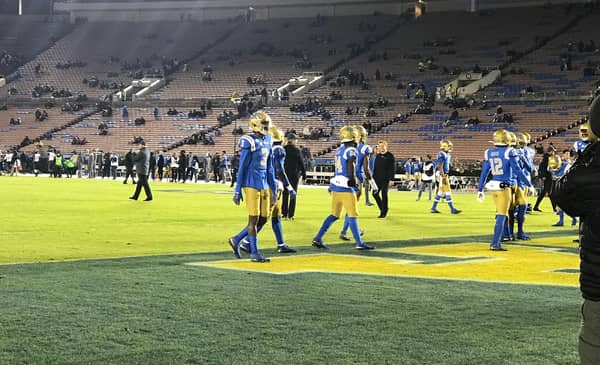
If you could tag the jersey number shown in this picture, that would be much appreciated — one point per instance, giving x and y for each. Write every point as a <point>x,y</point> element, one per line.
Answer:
<point>496,166</point>
<point>265,155</point>
<point>338,165</point>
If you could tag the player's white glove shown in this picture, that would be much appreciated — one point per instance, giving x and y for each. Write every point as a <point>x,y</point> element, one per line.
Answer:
<point>291,191</point>
<point>480,196</point>
<point>374,186</point>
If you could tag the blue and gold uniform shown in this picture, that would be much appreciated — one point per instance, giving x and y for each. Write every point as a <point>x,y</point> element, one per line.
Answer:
<point>343,190</point>
<point>502,162</point>
<point>363,174</point>
<point>255,174</point>
<point>558,168</point>
<point>256,179</point>
<point>585,136</point>
<point>443,168</point>
<point>526,155</point>
<point>362,150</point>
<point>281,182</point>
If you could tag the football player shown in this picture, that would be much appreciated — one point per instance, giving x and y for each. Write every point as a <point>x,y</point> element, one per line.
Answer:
<point>363,173</point>
<point>558,167</point>
<point>443,168</point>
<point>526,164</point>
<point>282,181</point>
<point>255,181</point>
<point>586,137</point>
<point>500,161</point>
<point>508,234</point>
<point>342,187</point>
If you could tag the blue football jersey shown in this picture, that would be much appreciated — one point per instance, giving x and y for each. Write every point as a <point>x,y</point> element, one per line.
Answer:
<point>278,153</point>
<point>343,154</point>
<point>580,145</point>
<point>255,164</point>
<point>444,159</point>
<point>362,151</point>
<point>564,167</point>
<point>503,163</point>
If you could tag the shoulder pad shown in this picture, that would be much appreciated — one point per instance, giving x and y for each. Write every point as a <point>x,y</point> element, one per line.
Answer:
<point>247,142</point>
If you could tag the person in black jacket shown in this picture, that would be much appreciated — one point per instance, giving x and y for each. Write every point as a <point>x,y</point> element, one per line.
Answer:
<point>578,194</point>
<point>294,169</point>
<point>383,174</point>
<point>129,166</point>
<point>160,165</point>
<point>546,177</point>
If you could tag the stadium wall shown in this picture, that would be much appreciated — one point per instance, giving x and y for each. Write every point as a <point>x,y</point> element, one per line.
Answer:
<point>266,9</point>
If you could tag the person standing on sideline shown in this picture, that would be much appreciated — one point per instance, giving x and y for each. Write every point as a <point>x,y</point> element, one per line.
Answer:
<point>160,165</point>
<point>58,164</point>
<point>51,166</point>
<point>114,164</point>
<point>546,177</point>
<point>427,176</point>
<point>383,174</point>
<point>294,169</point>
<point>207,167</point>
<point>578,194</point>
<point>443,167</point>
<point>343,190</point>
<point>142,167</point>
<point>129,166</point>
<point>152,170</point>
<point>36,163</point>
<point>256,179</point>
<point>235,166</point>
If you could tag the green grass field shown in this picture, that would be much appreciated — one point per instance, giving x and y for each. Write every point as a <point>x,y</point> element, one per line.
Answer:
<point>88,276</point>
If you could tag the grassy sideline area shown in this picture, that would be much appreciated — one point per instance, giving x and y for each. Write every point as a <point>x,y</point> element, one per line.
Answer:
<point>155,283</point>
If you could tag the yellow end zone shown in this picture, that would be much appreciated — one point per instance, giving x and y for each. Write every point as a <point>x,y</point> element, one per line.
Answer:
<point>472,262</point>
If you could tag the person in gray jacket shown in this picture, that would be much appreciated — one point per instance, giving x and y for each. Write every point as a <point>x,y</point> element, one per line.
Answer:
<point>142,167</point>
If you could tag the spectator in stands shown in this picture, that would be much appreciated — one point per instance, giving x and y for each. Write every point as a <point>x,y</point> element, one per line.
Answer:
<point>453,117</point>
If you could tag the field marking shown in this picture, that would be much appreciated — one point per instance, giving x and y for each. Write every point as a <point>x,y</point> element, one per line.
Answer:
<point>466,262</point>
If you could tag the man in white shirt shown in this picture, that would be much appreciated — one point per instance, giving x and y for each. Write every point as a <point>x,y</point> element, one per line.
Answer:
<point>36,163</point>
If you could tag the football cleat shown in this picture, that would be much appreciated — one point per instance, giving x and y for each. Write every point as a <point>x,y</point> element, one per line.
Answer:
<point>319,244</point>
<point>285,249</point>
<point>363,246</point>
<point>558,224</point>
<point>244,246</point>
<point>344,237</point>
<point>259,258</point>
<point>523,237</point>
<point>235,247</point>
<point>456,211</point>
<point>435,211</point>
<point>369,204</point>
<point>498,248</point>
